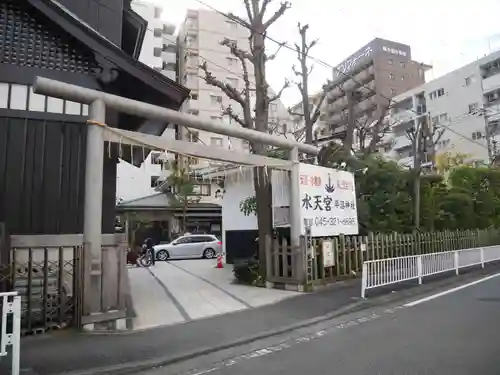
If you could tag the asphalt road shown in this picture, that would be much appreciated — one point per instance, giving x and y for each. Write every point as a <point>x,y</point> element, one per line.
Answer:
<point>457,333</point>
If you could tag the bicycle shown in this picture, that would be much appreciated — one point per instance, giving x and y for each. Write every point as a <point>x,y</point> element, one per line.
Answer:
<point>146,258</point>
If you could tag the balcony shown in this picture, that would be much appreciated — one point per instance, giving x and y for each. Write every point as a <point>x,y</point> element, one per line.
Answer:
<point>402,116</point>
<point>491,83</point>
<point>169,57</point>
<point>400,142</point>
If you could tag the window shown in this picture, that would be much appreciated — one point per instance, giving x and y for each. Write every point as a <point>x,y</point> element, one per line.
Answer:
<point>172,48</point>
<point>492,96</point>
<point>477,135</point>
<point>473,107</point>
<point>231,61</point>
<point>273,107</point>
<point>154,181</point>
<point>390,61</point>
<point>393,92</point>
<point>54,105</point>
<point>402,64</point>
<point>443,118</point>
<point>191,40</point>
<point>468,81</point>
<point>194,112</point>
<point>19,98</point>
<point>158,12</point>
<point>201,189</point>
<point>216,141</point>
<point>190,21</point>
<point>157,33</point>
<point>246,145</point>
<point>193,59</point>
<point>402,78</point>
<point>156,158</point>
<point>421,73</point>
<point>216,118</point>
<point>216,99</point>
<point>193,137</point>
<point>233,82</point>
<point>232,41</point>
<point>232,25</point>
<point>194,96</point>
<point>436,93</point>
<point>391,76</point>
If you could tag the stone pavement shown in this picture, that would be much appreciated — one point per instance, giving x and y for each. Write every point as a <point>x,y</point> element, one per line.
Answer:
<point>71,352</point>
<point>185,290</point>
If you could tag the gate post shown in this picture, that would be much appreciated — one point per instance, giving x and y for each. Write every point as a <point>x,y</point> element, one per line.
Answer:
<point>295,222</point>
<point>92,228</point>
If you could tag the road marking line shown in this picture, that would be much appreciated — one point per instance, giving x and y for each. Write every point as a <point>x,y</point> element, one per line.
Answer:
<point>456,289</point>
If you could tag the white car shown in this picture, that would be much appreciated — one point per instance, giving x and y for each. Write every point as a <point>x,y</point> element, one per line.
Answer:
<point>189,246</point>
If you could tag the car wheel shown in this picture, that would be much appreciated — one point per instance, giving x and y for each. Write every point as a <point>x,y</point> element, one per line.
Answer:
<point>209,254</point>
<point>162,255</point>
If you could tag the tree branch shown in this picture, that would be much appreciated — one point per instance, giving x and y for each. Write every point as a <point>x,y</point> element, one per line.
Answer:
<point>228,111</point>
<point>378,130</point>
<point>241,21</point>
<point>282,9</point>
<point>292,113</point>
<point>249,11</point>
<point>273,56</point>
<point>317,111</point>
<point>227,89</point>
<point>278,95</point>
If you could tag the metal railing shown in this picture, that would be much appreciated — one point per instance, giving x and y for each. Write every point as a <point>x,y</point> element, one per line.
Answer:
<point>382,272</point>
<point>10,334</point>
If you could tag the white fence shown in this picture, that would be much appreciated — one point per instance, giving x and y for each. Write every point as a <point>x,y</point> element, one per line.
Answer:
<point>381,272</point>
<point>10,334</point>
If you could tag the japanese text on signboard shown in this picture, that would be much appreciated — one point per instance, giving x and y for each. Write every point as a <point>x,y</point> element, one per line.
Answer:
<point>328,201</point>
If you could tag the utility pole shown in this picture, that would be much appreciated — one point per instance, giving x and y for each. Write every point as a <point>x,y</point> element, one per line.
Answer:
<point>415,135</point>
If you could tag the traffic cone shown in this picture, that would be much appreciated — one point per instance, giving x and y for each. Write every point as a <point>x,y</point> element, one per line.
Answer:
<point>219,261</point>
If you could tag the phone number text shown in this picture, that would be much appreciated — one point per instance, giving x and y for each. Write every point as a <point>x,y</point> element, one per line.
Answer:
<point>328,221</point>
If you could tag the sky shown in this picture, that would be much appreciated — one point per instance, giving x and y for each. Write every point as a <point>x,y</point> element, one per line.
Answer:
<point>443,33</point>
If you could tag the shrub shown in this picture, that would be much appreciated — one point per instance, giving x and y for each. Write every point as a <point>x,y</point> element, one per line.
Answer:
<point>246,271</point>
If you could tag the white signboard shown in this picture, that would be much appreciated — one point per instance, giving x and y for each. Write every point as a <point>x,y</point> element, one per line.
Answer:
<point>394,51</point>
<point>328,256</point>
<point>327,201</point>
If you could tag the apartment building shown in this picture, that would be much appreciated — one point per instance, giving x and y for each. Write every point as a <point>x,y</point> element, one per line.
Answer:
<point>463,105</point>
<point>159,48</point>
<point>159,51</point>
<point>200,40</point>
<point>381,69</point>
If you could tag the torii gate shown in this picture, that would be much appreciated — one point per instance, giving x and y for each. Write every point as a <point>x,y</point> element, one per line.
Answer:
<point>98,133</point>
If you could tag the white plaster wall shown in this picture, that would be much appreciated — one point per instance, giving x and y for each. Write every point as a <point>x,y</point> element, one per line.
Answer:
<point>239,186</point>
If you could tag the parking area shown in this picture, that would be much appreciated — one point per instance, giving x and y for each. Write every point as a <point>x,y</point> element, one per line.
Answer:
<point>183,290</point>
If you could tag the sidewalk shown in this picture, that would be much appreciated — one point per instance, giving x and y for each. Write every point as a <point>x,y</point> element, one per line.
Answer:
<point>66,352</point>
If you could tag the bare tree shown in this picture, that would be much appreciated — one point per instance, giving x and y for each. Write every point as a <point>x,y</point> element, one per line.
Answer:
<point>310,114</point>
<point>256,56</point>
<point>370,131</point>
<point>423,138</point>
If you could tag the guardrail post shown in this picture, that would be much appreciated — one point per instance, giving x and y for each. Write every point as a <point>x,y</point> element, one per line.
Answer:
<point>364,280</point>
<point>481,252</point>
<point>419,269</point>
<point>16,335</point>
<point>456,261</point>
<point>13,338</point>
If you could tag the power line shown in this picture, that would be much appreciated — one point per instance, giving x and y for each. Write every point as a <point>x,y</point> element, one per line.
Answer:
<point>322,62</point>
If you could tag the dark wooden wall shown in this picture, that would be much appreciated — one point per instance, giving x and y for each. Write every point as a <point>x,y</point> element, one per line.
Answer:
<point>42,175</point>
